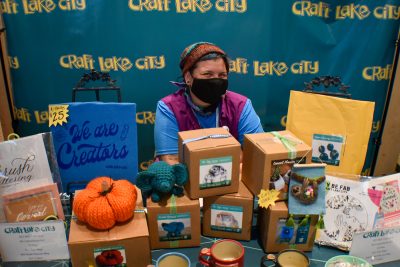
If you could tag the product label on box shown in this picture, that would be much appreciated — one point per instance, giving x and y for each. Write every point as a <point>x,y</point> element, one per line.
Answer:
<point>226,218</point>
<point>280,173</point>
<point>215,172</point>
<point>327,148</point>
<point>292,234</point>
<point>173,227</point>
<point>33,241</point>
<point>110,256</point>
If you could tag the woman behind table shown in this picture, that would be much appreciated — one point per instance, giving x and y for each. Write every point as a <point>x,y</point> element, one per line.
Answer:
<point>202,101</point>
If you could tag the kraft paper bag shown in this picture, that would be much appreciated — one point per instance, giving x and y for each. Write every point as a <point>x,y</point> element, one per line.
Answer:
<point>338,129</point>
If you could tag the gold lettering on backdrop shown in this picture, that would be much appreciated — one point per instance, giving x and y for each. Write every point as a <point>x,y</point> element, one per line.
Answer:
<point>41,117</point>
<point>150,63</point>
<point>376,125</point>
<point>270,68</point>
<point>149,5</point>
<point>352,11</point>
<point>115,64</point>
<point>9,7</point>
<point>77,62</point>
<point>38,6</point>
<point>306,8</point>
<point>305,67</point>
<point>239,6</point>
<point>145,117</point>
<point>387,12</point>
<point>377,73</point>
<point>183,6</point>
<point>22,114</point>
<point>67,5</point>
<point>13,62</point>
<point>239,65</point>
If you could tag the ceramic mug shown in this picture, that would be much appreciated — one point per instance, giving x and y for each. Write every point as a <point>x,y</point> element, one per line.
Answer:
<point>287,258</point>
<point>223,253</point>
<point>173,259</point>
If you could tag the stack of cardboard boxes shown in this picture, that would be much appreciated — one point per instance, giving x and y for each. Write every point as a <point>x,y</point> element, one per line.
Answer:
<point>213,160</point>
<point>267,164</point>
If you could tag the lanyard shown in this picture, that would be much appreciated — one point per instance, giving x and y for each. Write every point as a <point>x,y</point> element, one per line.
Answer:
<point>217,118</point>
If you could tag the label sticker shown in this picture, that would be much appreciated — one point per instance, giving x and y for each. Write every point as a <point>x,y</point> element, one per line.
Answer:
<point>327,149</point>
<point>226,218</point>
<point>110,256</point>
<point>215,172</point>
<point>173,227</point>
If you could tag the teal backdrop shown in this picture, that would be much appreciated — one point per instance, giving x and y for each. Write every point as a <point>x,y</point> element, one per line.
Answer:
<point>275,47</point>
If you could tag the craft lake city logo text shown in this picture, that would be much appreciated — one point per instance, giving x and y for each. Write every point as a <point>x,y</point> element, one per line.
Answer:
<point>30,7</point>
<point>341,12</point>
<point>185,6</point>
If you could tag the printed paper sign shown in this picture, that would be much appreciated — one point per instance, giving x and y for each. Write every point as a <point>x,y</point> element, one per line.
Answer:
<point>33,241</point>
<point>226,218</point>
<point>173,227</point>
<point>377,246</point>
<point>327,149</point>
<point>215,172</point>
<point>110,256</point>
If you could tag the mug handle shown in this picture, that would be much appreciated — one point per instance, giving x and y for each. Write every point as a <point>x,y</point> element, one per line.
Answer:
<point>269,257</point>
<point>204,252</point>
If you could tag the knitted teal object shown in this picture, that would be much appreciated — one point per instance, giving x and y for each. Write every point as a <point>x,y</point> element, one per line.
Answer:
<point>162,179</point>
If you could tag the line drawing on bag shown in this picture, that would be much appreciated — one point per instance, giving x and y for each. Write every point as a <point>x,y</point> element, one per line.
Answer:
<point>350,216</point>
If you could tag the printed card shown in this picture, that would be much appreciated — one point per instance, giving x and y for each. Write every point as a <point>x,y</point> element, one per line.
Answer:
<point>110,256</point>
<point>33,205</point>
<point>226,218</point>
<point>172,227</point>
<point>215,172</point>
<point>327,149</point>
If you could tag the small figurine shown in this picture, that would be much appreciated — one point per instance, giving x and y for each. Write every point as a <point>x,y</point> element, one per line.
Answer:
<point>162,179</point>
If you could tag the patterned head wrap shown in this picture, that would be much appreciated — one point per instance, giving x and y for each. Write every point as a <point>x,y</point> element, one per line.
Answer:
<point>194,52</point>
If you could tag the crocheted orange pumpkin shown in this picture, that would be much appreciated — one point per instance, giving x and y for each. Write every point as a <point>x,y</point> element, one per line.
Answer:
<point>104,202</point>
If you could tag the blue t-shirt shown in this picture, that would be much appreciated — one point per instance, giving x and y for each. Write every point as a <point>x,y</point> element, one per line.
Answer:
<point>166,126</point>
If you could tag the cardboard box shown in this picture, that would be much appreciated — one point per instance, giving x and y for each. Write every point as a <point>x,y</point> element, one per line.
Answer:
<point>174,222</point>
<point>276,236</point>
<point>266,163</point>
<point>213,162</point>
<point>131,239</point>
<point>229,216</point>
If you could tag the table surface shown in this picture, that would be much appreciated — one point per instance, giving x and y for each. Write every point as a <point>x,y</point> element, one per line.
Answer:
<point>253,254</point>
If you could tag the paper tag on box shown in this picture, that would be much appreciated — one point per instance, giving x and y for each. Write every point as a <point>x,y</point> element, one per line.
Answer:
<point>33,241</point>
<point>226,218</point>
<point>215,172</point>
<point>172,227</point>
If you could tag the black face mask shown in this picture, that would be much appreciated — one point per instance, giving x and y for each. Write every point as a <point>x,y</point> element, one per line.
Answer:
<point>209,90</point>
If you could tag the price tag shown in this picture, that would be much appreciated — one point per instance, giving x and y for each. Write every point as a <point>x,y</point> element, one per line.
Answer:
<point>58,114</point>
